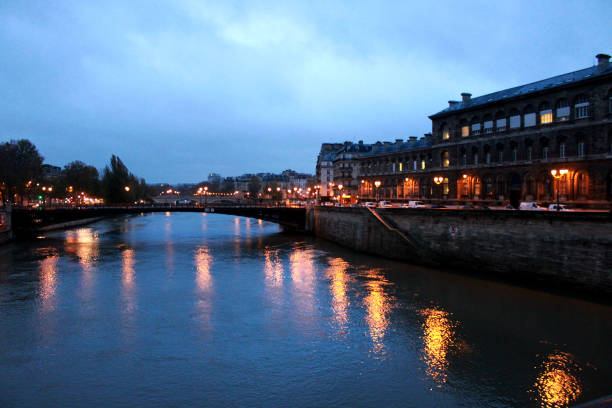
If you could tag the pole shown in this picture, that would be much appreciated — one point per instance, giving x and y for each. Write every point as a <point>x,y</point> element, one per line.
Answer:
<point>558,181</point>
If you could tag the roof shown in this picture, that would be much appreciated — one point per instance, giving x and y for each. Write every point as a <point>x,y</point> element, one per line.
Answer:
<point>533,87</point>
<point>398,147</point>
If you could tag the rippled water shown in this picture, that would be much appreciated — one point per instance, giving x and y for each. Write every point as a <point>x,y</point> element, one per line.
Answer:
<point>213,310</point>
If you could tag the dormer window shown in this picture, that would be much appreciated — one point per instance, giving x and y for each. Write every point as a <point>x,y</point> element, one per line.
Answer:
<point>488,125</point>
<point>529,117</point>
<point>515,119</point>
<point>465,131</point>
<point>476,129</point>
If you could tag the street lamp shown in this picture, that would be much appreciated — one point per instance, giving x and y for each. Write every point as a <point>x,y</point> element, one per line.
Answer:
<point>377,184</point>
<point>126,188</point>
<point>558,174</point>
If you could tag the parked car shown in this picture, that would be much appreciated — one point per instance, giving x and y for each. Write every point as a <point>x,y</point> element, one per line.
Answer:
<point>416,204</point>
<point>385,204</point>
<point>438,206</point>
<point>530,206</point>
<point>369,204</point>
<point>553,207</point>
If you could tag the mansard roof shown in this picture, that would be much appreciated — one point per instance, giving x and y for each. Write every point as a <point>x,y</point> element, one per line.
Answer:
<point>380,149</point>
<point>545,84</point>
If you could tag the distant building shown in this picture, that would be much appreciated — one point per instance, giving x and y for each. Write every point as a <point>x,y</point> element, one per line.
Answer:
<point>214,178</point>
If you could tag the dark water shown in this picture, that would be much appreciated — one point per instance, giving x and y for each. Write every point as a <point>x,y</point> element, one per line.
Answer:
<point>213,310</point>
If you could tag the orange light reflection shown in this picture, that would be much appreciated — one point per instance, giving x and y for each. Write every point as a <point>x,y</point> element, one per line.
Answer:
<point>439,337</point>
<point>377,307</point>
<point>557,384</point>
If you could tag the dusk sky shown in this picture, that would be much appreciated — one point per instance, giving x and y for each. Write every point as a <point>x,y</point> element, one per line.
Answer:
<point>181,88</point>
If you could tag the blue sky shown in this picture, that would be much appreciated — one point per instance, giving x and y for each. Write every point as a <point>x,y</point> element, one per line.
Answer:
<point>180,88</point>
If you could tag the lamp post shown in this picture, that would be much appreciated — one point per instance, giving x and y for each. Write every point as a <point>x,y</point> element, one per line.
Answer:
<point>205,196</point>
<point>557,174</point>
<point>377,184</point>
<point>438,180</point>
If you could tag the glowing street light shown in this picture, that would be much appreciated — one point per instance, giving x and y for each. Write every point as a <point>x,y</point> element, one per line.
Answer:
<point>438,179</point>
<point>126,188</point>
<point>558,174</point>
<point>377,184</point>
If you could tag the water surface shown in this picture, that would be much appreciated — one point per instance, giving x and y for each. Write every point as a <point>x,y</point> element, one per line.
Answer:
<point>215,310</point>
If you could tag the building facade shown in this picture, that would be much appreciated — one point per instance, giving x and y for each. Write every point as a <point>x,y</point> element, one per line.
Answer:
<point>504,146</point>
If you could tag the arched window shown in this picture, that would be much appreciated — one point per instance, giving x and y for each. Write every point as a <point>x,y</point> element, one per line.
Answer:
<point>581,107</point>
<point>544,148</point>
<point>487,153</point>
<point>475,126</point>
<point>500,121</point>
<point>515,119</point>
<point>562,146</point>
<point>562,110</point>
<point>488,124</point>
<point>463,156</point>
<point>581,186</point>
<point>445,133</point>
<point>528,149</point>
<point>545,113</point>
<point>445,159</point>
<point>500,153</point>
<point>580,145</point>
<point>475,155</point>
<point>514,149</point>
<point>529,116</point>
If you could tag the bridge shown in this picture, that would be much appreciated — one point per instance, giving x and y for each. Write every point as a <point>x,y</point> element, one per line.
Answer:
<point>29,221</point>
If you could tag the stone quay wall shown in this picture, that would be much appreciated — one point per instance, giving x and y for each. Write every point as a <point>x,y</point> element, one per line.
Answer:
<point>566,249</point>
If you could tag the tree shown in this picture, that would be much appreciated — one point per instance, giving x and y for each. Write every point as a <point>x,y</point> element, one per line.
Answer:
<point>81,177</point>
<point>117,182</point>
<point>254,186</point>
<point>20,163</point>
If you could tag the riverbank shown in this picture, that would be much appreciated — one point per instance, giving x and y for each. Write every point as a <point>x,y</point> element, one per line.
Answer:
<point>571,250</point>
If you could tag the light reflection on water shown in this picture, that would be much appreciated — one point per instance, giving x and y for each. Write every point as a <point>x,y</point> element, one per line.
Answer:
<point>438,339</point>
<point>557,384</point>
<point>288,321</point>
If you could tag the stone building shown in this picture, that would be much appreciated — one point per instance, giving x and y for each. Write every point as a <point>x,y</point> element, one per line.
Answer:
<point>503,146</point>
<point>346,170</point>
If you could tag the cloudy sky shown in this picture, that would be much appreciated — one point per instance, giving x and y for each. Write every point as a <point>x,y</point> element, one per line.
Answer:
<point>180,88</point>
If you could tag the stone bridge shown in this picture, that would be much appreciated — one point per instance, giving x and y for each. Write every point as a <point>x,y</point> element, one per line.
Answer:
<point>26,221</point>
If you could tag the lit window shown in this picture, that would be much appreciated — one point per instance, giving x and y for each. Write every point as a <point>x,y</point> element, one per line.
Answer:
<point>488,126</point>
<point>422,164</point>
<point>581,107</point>
<point>546,116</point>
<point>465,131</point>
<point>530,119</point>
<point>563,110</point>
<point>445,133</point>
<point>476,129</point>
<point>500,124</point>
<point>401,167</point>
<point>445,159</point>
<point>445,186</point>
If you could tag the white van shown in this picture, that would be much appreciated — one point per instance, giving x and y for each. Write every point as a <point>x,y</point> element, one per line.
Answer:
<point>369,204</point>
<point>385,204</point>
<point>530,206</point>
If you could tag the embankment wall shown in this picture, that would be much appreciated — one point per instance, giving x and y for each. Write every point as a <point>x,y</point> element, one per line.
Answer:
<point>557,249</point>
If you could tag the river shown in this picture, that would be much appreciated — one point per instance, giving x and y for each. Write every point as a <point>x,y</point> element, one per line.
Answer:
<point>214,310</point>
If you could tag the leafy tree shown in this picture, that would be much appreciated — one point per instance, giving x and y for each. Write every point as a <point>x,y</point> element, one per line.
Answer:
<point>121,186</point>
<point>254,186</point>
<point>81,177</point>
<point>227,186</point>
<point>20,163</point>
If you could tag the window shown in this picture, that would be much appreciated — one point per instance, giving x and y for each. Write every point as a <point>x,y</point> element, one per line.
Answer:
<point>545,153</point>
<point>465,131</point>
<point>414,165</point>
<point>401,167</point>
<point>476,129</point>
<point>581,148</point>
<point>445,186</point>
<point>488,125</point>
<point>423,164</point>
<point>529,153</point>
<point>610,101</point>
<point>562,150</point>
<point>514,154</point>
<point>529,118</point>
<point>500,124</point>
<point>488,157</point>
<point>545,114</point>
<point>500,156</point>
<point>581,107</point>
<point>445,133</point>
<point>445,159</point>
<point>515,119</point>
<point>563,110</point>
<point>475,158</point>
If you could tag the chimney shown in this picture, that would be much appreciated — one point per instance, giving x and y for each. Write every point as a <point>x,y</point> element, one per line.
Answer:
<point>452,103</point>
<point>603,60</point>
<point>413,138</point>
<point>398,141</point>
<point>465,97</point>
<point>360,142</point>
